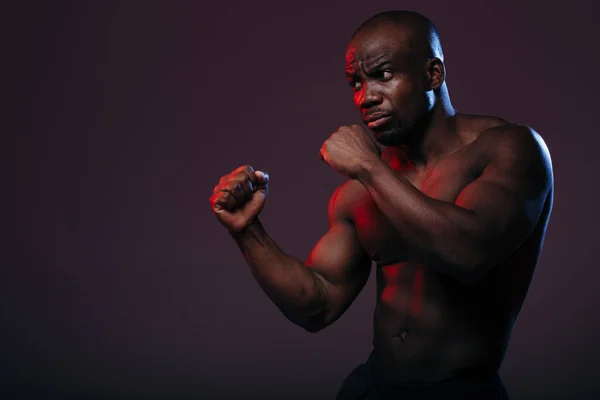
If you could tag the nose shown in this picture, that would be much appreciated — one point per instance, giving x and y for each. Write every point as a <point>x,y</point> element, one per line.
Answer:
<point>368,96</point>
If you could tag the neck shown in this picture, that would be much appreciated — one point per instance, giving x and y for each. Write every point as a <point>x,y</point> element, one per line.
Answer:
<point>436,138</point>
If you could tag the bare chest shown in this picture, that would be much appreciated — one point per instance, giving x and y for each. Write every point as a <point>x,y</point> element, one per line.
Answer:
<point>376,233</point>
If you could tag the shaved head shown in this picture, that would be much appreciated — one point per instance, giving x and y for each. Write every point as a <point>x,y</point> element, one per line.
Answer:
<point>395,67</point>
<point>422,36</point>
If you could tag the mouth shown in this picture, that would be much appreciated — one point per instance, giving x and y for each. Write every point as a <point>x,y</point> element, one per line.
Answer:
<point>377,122</point>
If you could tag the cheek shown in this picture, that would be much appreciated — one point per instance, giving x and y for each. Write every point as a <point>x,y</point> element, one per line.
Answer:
<point>357,96</point>
<point>402,96</point>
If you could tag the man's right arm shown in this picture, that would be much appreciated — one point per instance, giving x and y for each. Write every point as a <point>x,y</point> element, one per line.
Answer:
<point>315,293</point>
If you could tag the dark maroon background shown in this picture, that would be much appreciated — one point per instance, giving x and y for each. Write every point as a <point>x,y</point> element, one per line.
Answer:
<point>120,117</point>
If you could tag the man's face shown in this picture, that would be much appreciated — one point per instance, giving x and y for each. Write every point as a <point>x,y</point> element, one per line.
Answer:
<point>389,83</point>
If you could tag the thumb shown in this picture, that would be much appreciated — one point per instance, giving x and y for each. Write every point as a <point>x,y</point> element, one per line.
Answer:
<point>262,178</point>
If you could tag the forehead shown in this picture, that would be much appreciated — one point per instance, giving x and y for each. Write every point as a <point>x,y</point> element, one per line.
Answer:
<point>376,43</point>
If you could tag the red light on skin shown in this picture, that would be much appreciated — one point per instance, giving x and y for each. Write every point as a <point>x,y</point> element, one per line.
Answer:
<point>388,294</point>
<point>396,158</point>
<point>395,164</point>
<point>391,273</point>
<point>361,217</point>
<point>392,287</point>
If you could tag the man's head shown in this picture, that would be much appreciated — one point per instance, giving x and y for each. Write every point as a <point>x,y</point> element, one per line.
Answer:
<point>394,63</point>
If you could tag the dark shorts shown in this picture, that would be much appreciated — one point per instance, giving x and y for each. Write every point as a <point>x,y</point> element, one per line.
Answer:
<point>361,385</point>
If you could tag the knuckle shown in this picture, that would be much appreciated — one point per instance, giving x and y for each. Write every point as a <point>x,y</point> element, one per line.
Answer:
<point>248,182</point>
<point>239,190</point>
<point>216,198</point>
<point>242,172</point>
<point>235,186</point>
<point>229,185</point>
<point>243,168</point>
<point>242,177</point>
<point>226,197</point>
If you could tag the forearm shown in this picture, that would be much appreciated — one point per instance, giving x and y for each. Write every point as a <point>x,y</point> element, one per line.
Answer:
<point>294,288</point>
<point>443,234</point>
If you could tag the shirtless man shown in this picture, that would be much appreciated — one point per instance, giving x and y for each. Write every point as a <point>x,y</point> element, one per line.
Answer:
<point>451,207</point>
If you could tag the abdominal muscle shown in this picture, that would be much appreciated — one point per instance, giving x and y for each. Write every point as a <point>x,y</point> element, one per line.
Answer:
<point>429,328</point>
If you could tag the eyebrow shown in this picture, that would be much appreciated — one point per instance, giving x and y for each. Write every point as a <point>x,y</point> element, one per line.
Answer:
<point>386,57</point>
<point>378,63</point>
<point>350,71</point>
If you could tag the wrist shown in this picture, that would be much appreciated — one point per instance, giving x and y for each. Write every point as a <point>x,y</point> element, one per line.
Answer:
<point>252,228</point>
<point>368,168</point>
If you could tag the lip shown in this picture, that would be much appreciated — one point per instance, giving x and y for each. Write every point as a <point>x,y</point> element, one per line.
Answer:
<point>369,117</point>
<point>378,121</point>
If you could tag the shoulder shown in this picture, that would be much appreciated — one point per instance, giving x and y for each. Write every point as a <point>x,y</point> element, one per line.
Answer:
<point>491,135</point>
<point>520,142</point>
<point>491,130</point>
<point>517,150</point>
<point>471,126</point>
<point>344,198</point>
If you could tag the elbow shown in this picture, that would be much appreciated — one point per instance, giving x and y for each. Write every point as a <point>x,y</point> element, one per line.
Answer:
<point>318,322</point>
<point>466,255</point>
<point>310,323</point>
<point>313,328</point>
<point>321,321</point>
<point>478,270</point>
<point>313,325</point>
<point>469,268</point>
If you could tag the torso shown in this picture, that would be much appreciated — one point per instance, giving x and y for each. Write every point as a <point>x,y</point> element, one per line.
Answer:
<point>427,326</point>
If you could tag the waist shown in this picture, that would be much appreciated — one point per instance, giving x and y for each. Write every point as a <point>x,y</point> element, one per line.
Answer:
<point>468,380</point>
<point>414,349</point>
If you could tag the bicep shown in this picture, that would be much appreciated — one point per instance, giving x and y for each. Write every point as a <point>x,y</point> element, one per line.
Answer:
<point>507,200</point>
<point>501,214</point>
<point>341,264</point>
<point>338,257</point>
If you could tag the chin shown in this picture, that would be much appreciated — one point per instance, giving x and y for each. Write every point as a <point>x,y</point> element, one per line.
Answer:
<point>391,137</point>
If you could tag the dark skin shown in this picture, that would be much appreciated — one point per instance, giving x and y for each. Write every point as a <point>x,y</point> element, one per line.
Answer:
<point>453,212</point>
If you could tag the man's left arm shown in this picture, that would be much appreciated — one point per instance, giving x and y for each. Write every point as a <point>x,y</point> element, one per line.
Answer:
<point>491,217</point>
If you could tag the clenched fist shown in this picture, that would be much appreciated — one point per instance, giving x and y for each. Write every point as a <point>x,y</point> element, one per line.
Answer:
<point>239,197</point>
<point>349,149</point>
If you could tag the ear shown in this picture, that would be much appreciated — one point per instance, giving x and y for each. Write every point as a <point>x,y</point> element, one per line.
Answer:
<point>436,72</point>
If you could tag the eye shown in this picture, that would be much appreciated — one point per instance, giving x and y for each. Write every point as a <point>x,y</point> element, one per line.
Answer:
<point>384,75</point>
<point>355,84</point>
